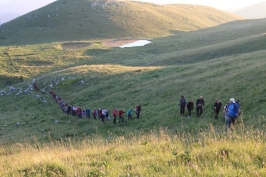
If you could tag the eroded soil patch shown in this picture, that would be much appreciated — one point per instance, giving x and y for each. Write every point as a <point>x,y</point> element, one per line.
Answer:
<point>73,46</point>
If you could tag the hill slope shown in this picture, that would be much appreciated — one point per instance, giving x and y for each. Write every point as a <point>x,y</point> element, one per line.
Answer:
<point>253,12</point>
<point>219,62</point>
<point>66,20</point>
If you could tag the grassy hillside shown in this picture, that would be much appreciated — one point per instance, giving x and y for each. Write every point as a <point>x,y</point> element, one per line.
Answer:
<point>218,62</point>
<point>66,20</point>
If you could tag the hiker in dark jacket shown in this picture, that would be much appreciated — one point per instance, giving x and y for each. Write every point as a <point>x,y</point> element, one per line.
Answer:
<point>182,104</point>
<point>88,113</point>
<point>199,105</point>
<point>138,109</point>
<point>115,113</point>
<point>190,106</point>
<point>216,108</point>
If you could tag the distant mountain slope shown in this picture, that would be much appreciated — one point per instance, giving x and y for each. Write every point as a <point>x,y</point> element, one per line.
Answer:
<point>66,20</point>
<point>254,11</point>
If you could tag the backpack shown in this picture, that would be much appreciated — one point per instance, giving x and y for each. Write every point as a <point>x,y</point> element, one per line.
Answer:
<point>236,107</point>
<point>183,102</point>
<point>128,111</point>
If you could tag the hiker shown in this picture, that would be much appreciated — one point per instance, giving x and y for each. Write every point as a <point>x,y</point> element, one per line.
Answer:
<point>95,113</point>
<point>99,113</point>
<point>107,116</point>
<point>62,104</point>
<point>182,104</point>
<point>88,113</point>
<point>120,114</point>
<point>190,106</point>
<point>138,109</point>
<point>199,105</point>
<point>103,114</point>
<point>216,108</point>
<point>79,112</point>
<point>225,115</point>
<point>83,113</point>
<point>68,109</point>
<point>129,114</point>
<point>74,109</point>
<point>35,85</point>
<point>52,94</point>
<point>232,111</point>
<point>115,112</point>
<point>65,108</point>
<point>57,99</point>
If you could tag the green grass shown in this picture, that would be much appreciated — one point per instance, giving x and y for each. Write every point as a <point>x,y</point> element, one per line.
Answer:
<point>211,151</point>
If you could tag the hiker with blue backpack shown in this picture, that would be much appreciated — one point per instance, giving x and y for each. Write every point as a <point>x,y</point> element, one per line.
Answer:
<point>231,112</point>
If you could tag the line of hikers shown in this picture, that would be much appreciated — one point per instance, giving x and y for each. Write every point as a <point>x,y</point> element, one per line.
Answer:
<point>101,113</point>
<point>230,111</point>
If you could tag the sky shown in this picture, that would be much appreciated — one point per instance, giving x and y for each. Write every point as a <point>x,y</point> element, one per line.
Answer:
<point>24,6</point>
<point>226,5</point>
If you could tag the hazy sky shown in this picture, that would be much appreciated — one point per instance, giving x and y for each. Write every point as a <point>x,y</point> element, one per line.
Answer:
<point>227,5</point>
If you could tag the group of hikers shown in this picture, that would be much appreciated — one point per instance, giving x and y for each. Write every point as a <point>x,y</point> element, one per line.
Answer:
<point>230,111</point>
<point>101,113</point>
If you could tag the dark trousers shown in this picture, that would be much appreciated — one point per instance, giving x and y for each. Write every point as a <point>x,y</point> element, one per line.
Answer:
<point>199,110</point>
<point>103,118</point>
<point>121,119</point>
<point>182,109</point>
<point>68,111</point>
<point>129,116</point>
<point>114,120</point>
<point>137,112</point>
<point>216,114</point>
<point>73,113</point>
<point>189,112</point>
<point>231,121</point>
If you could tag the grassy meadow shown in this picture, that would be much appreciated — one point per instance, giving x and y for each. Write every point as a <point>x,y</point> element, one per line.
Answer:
<point>213,60</point>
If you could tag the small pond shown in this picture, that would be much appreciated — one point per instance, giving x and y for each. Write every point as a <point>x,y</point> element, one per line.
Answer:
<point>136,44</point>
